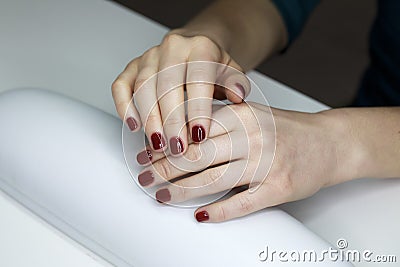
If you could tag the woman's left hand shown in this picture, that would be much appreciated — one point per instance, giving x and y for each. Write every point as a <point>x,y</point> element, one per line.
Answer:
<point>282,157</point>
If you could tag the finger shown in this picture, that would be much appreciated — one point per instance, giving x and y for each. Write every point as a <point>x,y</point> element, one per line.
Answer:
<point>146,100</point>
<point>240,204</point>
<point>225,119</point>
<point>146,156</point>
<point>222,178</point>
<point>122,92</point>
<point>197,158</point>
<point>200,79</point>
<point>234,81</point>
<point>170,94</point>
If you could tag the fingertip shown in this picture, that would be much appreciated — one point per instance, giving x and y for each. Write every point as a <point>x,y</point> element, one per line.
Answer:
<point>233,97</point>
<point>163,195</point>
<point>146,178</point>
<point>158,142</point>
<point>202,216</point>
<point>236,93</point>
<point>198,133</point>
<point>144,157</point>
<point>177,146</point>
<point>133,124</point>
<point>130,116</point>
<point>241,90</point>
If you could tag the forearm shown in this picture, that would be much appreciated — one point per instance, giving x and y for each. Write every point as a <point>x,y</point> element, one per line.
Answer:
<point>250,31</point>
<point>370,146</point>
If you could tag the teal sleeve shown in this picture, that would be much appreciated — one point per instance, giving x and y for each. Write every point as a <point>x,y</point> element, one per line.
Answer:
<point>295,14</point>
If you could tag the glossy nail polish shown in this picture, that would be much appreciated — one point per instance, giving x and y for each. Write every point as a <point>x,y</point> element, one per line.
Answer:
<point>144,157</point>
<point>146,178</point>
<point>176,145</point>
<point>132,123</point>
<point>241,90</point>
<point>157,140</point>
<point>198,133</point>
<point>163,195</point>
<point>202,216</point>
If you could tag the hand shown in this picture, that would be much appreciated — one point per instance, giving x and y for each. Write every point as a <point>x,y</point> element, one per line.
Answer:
<point>158,89</point>
<point>308,152</point>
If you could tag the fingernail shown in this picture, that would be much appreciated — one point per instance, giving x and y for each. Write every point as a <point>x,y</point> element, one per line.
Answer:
<point>163,195</point>
<point>146,178</point>
<point>144,157</point>
<point>176,145</point>
<point>202,216</point>
<point>132,124</point>
<point>241,89</point>
<point>198,133</point>
<point>157,140</point>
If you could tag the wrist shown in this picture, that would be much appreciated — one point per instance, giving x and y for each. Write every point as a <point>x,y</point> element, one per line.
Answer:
<point>249,32</point>
<point>351,154</point>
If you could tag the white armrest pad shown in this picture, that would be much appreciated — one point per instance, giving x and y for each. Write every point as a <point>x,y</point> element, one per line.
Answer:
<point>63,160</point>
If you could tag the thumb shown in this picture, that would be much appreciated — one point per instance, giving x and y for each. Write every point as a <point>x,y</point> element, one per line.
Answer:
<point>240,204</point>
<point>235,83</point>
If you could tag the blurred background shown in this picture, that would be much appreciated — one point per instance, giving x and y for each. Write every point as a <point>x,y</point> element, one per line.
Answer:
<point>326,62</point>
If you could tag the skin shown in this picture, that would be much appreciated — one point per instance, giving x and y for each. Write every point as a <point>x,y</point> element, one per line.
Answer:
<point>312,150</point>
<point>214,35</point>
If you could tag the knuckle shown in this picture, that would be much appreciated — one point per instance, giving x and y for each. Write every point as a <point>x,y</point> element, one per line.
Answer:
<point>198,110</point>
<point>132,64</point>
<point>194,153</point>
<point>206,47</point>
<point>174,122</point>
<point>151,118</point>
<point>121,108</point>
<point>145,78</point>
<point>114,86</point>
<point>203,41</point>
<point>163,168</point>
<point>151,53</point>
<point>285,186</point>
<point>117,85</point>
<point>139,83</point>
<point>167,83</point>
<point>182,191</point>
<point>212,177</point>
<point>246,205</point>
<point>221,213</point>
<point>199,74</point>
<point>174,37</point>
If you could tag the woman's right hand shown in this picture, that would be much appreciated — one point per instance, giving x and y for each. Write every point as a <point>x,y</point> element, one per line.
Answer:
<point>279,155</point>
<point>159,98</point>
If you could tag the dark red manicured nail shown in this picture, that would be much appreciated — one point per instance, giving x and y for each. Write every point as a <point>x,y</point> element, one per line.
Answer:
<point>163,195</point>
<point>157,140</point>
<point>132,123</point>
<point>176,145</point>
<point>198,133</point>
<point>146,178</point>
<point>202,216</point>
<point>144,157</point>
<point>241,89</point>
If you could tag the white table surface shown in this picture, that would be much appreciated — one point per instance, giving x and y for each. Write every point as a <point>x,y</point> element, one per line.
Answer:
<point>77,48</point>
